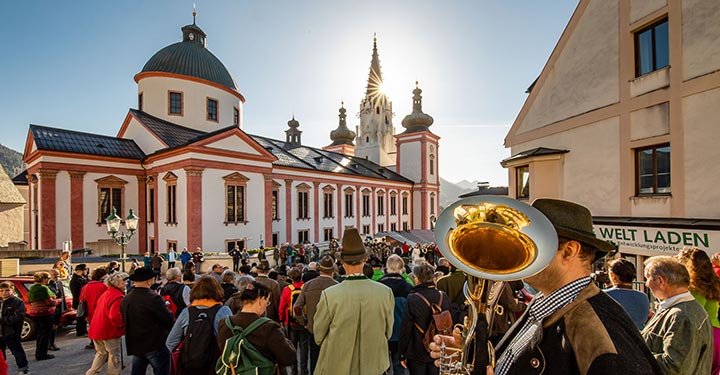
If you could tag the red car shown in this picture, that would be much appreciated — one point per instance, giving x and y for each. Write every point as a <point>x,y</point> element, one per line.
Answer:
<point>22,284</point>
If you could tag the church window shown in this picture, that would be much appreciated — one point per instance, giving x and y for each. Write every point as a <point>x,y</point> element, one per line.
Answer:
<point>140,102</point>
<point>175,103</point>
<point>171,198</point>
<point>236,116</point>
<point>303,236</point>
<point>432,165</point>
<point>302,205</point>
<point>367,139</point>
<point>212,110</point>
<point>235,196</point>
<point>366,204</point>
<point>328,204</point>
<point>274,208</point>
<point>111,191</point>
<point>432,204</point>
<point>151,200</point>
<point>349,203</point>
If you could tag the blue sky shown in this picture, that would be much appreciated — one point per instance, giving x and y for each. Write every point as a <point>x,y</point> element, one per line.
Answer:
<point>70,64</point>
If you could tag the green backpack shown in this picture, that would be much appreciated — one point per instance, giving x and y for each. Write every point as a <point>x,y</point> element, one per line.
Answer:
<point>239,357</point>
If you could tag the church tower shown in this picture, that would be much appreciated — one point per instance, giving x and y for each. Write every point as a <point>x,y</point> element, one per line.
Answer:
<point>342,137</point>
<point>375,133</point>
<point>417,159</point>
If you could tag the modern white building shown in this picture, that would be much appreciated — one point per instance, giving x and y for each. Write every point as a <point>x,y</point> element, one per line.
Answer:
<point>624,119</point>
<point>184,162</point>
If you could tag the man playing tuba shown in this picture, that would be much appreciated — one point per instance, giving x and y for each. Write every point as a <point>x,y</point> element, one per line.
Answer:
<point>571,326</point>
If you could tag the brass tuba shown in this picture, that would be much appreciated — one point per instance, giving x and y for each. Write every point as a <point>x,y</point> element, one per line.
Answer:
<point>490,238</point>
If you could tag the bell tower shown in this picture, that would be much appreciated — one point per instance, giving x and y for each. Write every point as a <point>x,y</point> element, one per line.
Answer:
<point>417,159</point>
<point>375,133</point>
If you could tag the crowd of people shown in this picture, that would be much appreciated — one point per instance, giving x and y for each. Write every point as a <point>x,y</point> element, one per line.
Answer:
<point>369,307</point>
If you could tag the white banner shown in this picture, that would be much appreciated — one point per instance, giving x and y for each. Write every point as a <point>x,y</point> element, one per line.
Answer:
<point>658,241</point>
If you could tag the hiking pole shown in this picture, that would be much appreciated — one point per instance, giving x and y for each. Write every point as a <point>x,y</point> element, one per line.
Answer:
<point>122,362</point>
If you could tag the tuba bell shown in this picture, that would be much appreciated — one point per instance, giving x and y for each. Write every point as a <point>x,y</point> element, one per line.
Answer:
<point>490,238</point>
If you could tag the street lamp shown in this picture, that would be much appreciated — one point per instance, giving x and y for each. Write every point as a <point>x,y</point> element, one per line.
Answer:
<point>122,238</point>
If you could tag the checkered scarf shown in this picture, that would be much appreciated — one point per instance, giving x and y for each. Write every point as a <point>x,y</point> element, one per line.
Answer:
<point>531,332</point>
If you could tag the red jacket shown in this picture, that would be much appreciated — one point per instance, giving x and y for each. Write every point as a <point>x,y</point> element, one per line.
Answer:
<point>90,293</point>
<point>285,302</point>
<point>107,321</point>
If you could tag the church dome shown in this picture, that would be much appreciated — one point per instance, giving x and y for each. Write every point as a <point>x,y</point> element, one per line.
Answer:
<point>190,58</point>
<point>342,135</point>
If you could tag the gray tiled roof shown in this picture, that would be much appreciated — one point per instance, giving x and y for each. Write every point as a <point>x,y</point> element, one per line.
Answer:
<point>326,161</point>
<point>54,139</point>
<point>172,134</point>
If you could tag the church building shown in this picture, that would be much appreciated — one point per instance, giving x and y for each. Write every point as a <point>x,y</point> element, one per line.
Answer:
<point>185,164</point>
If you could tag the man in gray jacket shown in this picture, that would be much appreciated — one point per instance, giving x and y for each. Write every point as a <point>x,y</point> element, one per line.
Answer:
<point>306,304</point>
<point>679,334</point>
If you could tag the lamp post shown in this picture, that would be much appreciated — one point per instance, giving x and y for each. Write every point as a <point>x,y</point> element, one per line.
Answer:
<point>121,238</point>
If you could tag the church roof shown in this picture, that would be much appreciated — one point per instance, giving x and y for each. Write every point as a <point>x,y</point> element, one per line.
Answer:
<point>171,134</point>
<point>54,139</point>
<point>300,156</point>
<point>287,154</point>
<point>190,58</point>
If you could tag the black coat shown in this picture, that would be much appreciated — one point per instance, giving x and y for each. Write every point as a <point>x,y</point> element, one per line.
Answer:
<point>12,311</point>
<point>591,335</point>
<point>76,284</point>
<point>411,339</point>
<point>147,321</point>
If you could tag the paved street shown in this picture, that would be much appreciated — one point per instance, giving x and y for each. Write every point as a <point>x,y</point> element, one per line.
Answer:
<point>71,359</point>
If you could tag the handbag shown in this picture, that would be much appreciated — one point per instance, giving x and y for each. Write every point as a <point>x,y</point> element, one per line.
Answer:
<point>175,359</point>
<point>82,309</point>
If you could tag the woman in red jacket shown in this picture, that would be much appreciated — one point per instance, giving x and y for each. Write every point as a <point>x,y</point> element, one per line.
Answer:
<point>92,291</point>
<point>107,326</point>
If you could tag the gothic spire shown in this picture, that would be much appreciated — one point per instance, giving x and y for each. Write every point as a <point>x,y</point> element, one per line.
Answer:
<point>375,80</point>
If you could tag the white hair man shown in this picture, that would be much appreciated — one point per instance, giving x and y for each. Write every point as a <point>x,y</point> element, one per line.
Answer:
<point>178,292</point>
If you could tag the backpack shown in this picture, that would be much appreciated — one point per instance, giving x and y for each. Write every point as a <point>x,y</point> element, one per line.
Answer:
<point>240,357</point>
<point>294,294</point>
<point>173,298</point>
<point>440,322</point>
<point>200,346</point>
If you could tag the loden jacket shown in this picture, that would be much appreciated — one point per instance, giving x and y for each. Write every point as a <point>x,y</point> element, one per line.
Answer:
<point>306,304</point>
<point>591,335</point>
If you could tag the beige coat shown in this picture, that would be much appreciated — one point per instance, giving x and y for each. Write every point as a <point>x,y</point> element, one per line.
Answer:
<point>352,324</point>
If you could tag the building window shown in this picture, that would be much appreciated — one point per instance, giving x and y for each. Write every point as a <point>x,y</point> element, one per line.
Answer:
<point>236,116</point>
<point>152,245</point>
<point>151,205</point>
<point>303,236</point>
<point>212,110</point>
<point>230,244</point>
<point>404,205</point>
<point>653,170</point>
<point>111,192</point>
<point>170,198</point>
<point>366,205</point>
<point>274,208</point>
<point>522,182</point>
<point>275,239</point>
<point>393,205</point>
<point>381,228</point>
<point>235,194</point>
<point>381,205</point>
<point>366,229</point>
<point>328,205</point>
<point>327,234</point>
<point>171,244</point>
<point>349,203</point>
<point>175,103</point>
<point>393,227</point>
<point>302,205</point>
<point>432,165</point>
<point>651,48</point>
<point>405,225</point>
<point>140,102</point>
<point>432,204</point>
